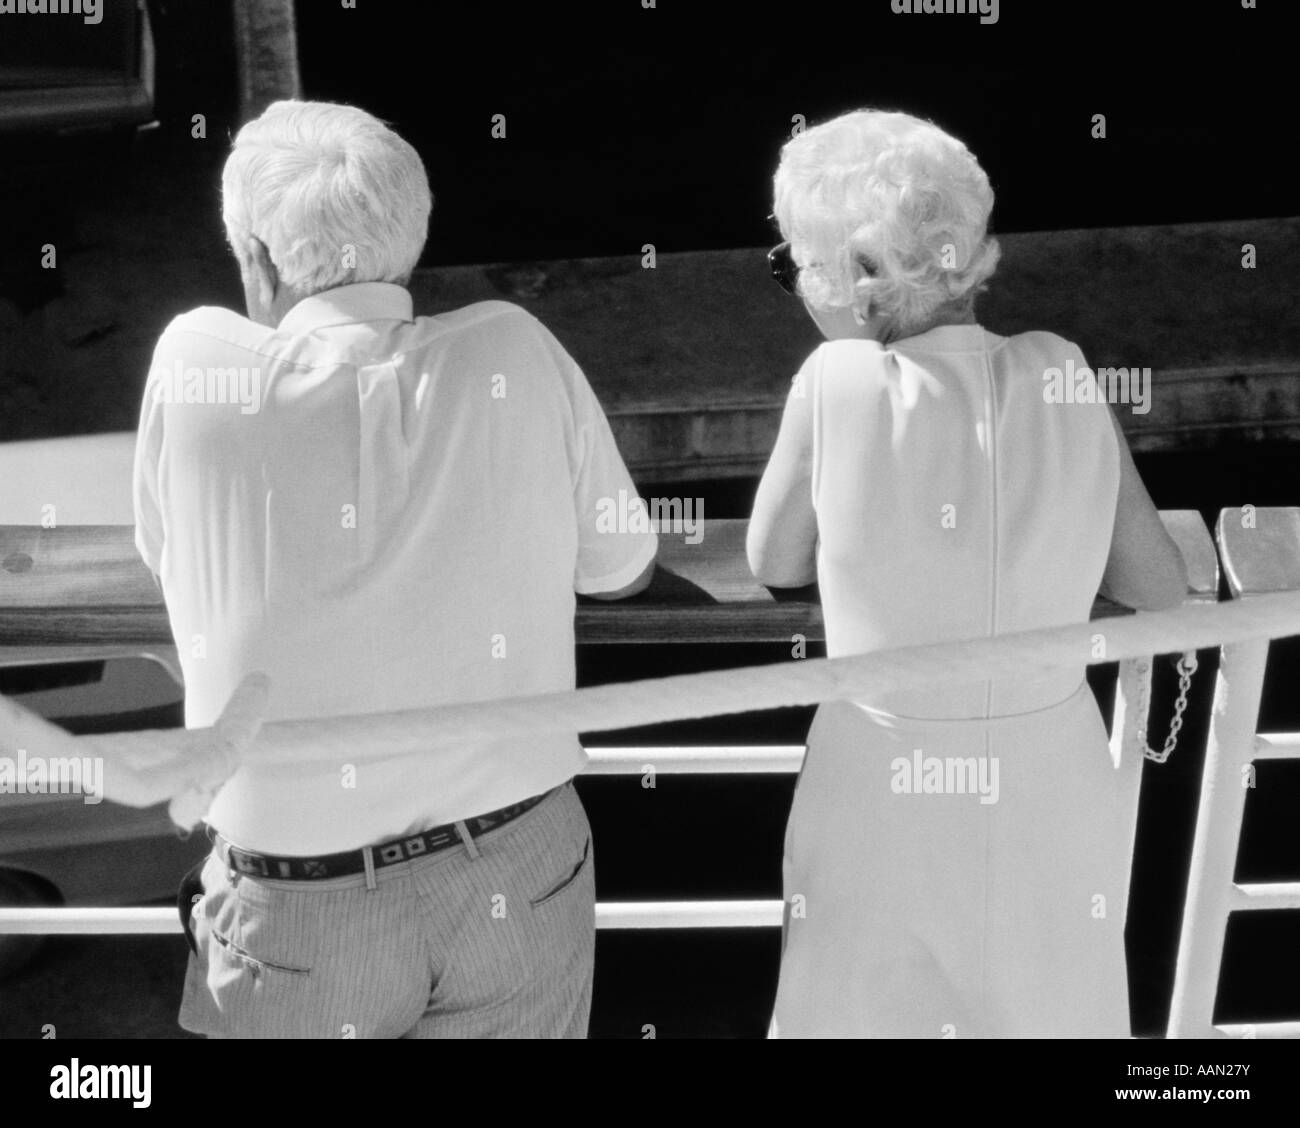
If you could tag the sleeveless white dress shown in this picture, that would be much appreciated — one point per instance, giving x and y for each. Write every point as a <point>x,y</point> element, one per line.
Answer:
<point>957,857</point>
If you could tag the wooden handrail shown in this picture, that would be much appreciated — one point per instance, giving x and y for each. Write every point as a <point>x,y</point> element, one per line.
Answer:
<point>86,585</point>
<point>1260,549</point>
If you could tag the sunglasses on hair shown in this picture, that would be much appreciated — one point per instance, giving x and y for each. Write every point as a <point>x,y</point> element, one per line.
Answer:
<point>783,267</point>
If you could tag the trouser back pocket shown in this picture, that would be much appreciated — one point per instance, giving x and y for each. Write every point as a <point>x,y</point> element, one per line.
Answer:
<point>191,889</point>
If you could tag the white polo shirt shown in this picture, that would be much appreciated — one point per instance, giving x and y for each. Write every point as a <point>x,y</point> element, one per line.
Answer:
<point>381,513</point>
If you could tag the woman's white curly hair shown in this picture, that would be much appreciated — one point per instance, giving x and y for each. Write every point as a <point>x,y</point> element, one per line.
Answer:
<point>886,214</point>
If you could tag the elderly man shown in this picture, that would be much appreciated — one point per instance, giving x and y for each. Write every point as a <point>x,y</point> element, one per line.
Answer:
<point>381,512</point>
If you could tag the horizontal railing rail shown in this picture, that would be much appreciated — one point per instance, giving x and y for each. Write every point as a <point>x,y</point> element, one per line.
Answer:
<point>158,921</point>
<point>62,595</point>
<point>53,567</point>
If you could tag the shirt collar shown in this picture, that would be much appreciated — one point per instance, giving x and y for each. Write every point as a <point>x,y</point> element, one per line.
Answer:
<point>348,305</point>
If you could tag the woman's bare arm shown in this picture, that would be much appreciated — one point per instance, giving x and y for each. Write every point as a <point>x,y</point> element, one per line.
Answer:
<point>782,539</point>
<point>1145,570</point>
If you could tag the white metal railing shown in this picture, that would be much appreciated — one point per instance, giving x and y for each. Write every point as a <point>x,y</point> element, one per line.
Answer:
<point>702,760</point>
<point>157,920</point>
<point>1242,629</point>
<point>632,760</point>
<point>1261,554</point>
<point>1127,640</point>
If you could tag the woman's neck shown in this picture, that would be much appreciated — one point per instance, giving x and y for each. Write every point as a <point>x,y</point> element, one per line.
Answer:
<point>947,315</point>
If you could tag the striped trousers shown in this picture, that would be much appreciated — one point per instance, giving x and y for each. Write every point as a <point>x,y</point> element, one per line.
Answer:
<point>490,939</point>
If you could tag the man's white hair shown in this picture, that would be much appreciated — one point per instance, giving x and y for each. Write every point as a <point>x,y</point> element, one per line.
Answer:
<point>333,193</point>
<point>885,214</point>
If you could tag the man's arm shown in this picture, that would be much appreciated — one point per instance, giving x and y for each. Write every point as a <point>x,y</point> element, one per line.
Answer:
<point>634,588</point>
<point>613,563</point>
<point>144,480</point>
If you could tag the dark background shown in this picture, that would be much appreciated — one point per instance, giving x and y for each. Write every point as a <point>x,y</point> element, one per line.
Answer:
<point>627,125</point>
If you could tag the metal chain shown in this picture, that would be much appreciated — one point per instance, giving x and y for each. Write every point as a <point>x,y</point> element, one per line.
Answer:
<point>1186,668</point>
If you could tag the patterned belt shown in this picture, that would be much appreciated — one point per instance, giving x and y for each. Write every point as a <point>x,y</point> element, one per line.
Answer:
<point>351,862</point>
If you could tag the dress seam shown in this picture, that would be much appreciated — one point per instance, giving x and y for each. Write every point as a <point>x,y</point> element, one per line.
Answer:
<point>992,439</point>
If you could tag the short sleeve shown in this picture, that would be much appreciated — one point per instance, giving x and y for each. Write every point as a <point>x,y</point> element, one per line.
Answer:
<point>144,481</point>
<point>1101,384</point>
<point>616,541</point>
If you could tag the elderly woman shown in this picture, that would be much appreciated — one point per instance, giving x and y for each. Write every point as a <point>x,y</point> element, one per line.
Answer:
<point>957,857</point>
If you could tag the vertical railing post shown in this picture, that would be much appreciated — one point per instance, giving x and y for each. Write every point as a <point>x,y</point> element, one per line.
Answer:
<point>1187,528</point>
<point>1132,687</point>
<point>1233,721</point>
<point>1129,720</point>
<point>1260,549</point>
<point>1125,716</point>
